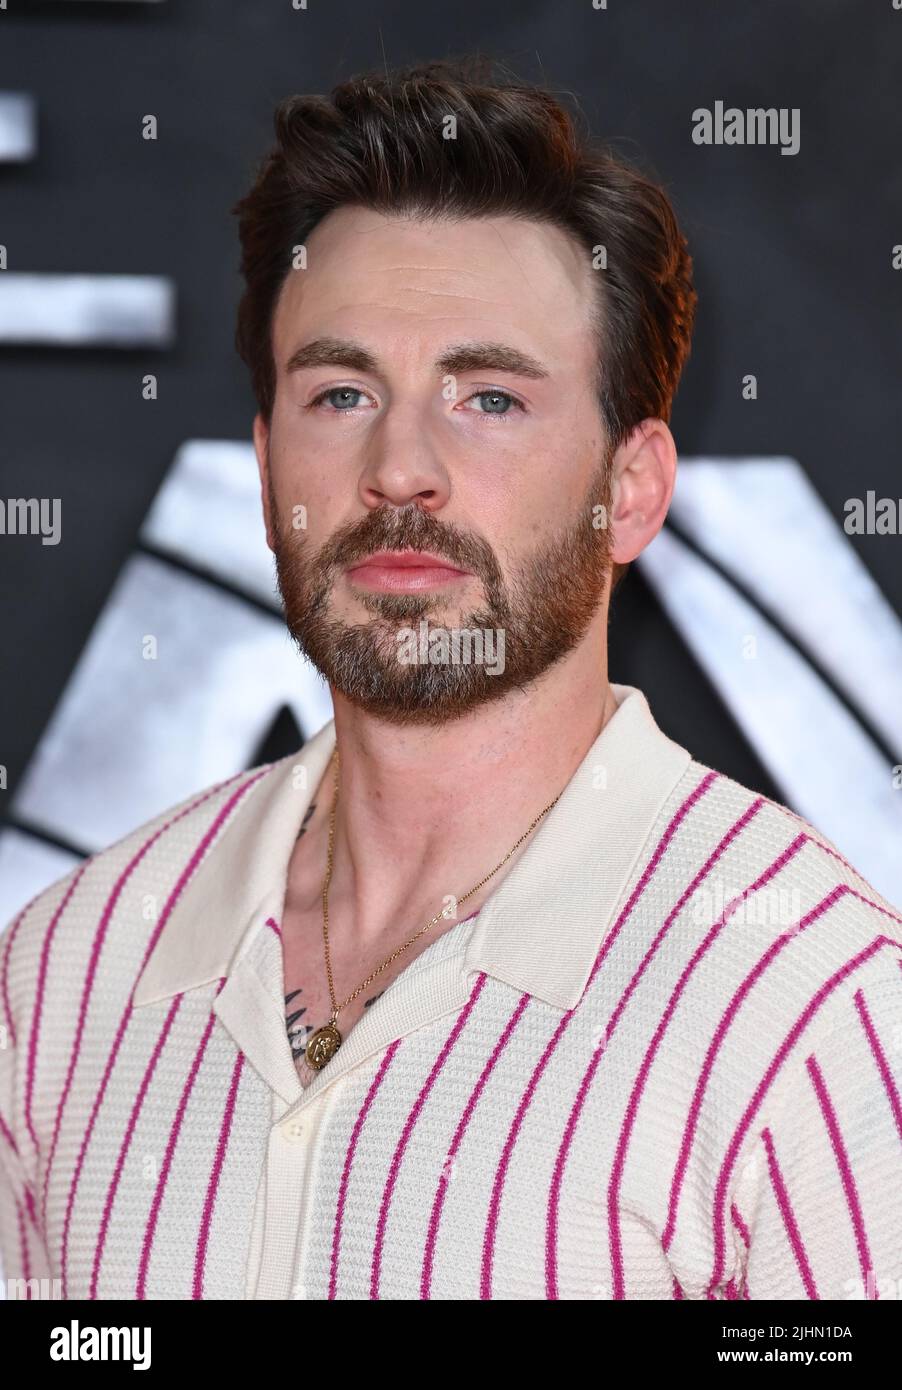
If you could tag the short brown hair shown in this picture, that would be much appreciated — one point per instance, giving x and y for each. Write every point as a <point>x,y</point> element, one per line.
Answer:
<point>377,142</point>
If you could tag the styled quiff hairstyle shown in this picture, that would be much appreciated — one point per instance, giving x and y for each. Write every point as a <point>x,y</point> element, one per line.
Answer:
<point>378,142</point>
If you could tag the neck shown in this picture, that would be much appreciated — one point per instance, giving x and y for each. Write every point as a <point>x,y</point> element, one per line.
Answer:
<point>426,812</point>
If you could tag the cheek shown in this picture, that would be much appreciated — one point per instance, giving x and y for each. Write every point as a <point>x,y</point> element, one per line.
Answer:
<point>517,502</point>
<point>549,482</point>
<point>299,472</point>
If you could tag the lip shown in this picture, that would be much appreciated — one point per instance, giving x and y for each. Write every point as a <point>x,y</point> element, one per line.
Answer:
<point>407,559</point>
<point>404,571</point>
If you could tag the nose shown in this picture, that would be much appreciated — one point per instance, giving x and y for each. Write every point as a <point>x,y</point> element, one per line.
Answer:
<point>402,464</point>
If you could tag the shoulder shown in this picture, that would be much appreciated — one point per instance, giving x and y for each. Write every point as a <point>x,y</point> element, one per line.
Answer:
<point>801,944</point>
<point>764,845</point>
<point>121,887</point>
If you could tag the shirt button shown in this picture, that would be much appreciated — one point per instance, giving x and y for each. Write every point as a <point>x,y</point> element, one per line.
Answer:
<point>293,1130</point>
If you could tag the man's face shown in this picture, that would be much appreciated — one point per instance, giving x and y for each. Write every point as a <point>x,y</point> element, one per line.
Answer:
<point>441,400</point>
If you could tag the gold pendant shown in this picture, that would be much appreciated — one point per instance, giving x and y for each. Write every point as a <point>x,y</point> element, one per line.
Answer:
<point>324,1044</point>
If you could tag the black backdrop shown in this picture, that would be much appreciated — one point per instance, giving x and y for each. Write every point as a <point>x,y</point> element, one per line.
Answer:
<point>792,256</point>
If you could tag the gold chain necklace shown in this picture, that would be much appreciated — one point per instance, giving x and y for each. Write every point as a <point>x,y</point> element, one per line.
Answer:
<point>326,1041</point>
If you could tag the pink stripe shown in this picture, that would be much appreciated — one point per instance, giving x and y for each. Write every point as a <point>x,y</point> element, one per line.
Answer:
<point>742,1290</point>
<point>790,1224</point>
<point>501,1173</point>
<point>349,1159</point>
<point>9,937</point>
<point>551,1230</point>
<point>770,955</point>
<point>677,1288</point>
<point>438,1201</point>
<point>96,948</point>
<point>29,1204</point>
<point>491,1232</point>
<point>23,1246</point>
<point>274,925</point>
<point>416,1108</point>
<point>764,1086</point>
<point>183,879</point>
<point>8,1135</point>
<point>878,907</point>
<point>39,1003</point>
<point>845,1171</point>
<point>639,1084</point>
<point>889,1082</point>
<point>817,841</point>
<point>834,854</point>
<point>203,1239</point>
<point>126,1142</point>
<point>150,1229</point>
<point>740,1225</point>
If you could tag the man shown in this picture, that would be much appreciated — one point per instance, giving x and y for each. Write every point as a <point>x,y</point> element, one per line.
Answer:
<point>510,997</point>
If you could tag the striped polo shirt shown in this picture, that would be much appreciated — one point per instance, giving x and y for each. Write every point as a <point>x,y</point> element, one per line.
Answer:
<point>663,1061</point>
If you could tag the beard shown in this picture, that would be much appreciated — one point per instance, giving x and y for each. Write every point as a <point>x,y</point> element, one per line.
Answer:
<point>543,610</point>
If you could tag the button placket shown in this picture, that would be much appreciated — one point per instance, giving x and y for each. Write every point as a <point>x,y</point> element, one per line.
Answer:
<point>314,1123</point>
<point>287,1161</point>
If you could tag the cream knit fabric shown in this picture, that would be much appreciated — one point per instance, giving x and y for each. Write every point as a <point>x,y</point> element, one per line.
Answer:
<point>663,1061</point>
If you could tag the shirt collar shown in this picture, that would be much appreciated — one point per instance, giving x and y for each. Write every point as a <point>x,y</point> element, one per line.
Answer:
<point>539,932</point>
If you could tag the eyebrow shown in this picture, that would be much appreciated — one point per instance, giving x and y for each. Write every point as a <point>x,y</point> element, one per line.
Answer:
<point>462,357</point>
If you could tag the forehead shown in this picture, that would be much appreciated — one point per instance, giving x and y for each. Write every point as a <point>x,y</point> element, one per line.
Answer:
<point>372,273</point>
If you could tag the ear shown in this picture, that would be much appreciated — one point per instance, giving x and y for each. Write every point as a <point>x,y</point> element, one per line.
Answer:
<point>261,449</point>
<point>644,469</point>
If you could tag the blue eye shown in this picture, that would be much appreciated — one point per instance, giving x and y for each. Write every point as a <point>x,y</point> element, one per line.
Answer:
<point>502,401</point>
<point>337,396</point>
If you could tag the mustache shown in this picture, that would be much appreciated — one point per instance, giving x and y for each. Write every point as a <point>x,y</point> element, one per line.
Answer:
<point>407,528</point>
